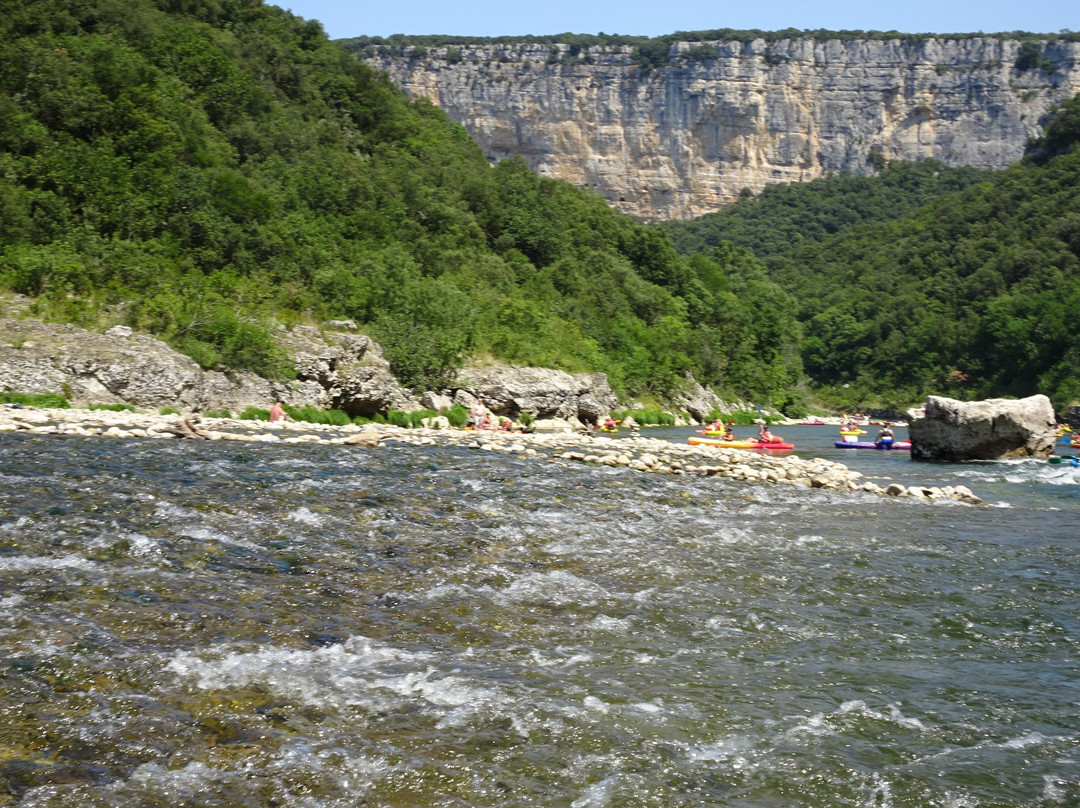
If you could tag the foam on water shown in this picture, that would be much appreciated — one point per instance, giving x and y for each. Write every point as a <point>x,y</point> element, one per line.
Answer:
<point>558,587</point>
<point>357,672</point>
<point>43,563</point>
<point>305,516</point>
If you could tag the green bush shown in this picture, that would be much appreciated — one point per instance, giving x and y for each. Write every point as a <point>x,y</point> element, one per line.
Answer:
<point>526,419</point>
<point>647,417</point>
<point>218,414</point>
<point>398,418</point>
<point>254,414</point>
<point>313,415</point>
<point>458,416</point>
<point>168,411</point>
<point>416,416</point>
<point>52,401</point>
<point>111,407</point>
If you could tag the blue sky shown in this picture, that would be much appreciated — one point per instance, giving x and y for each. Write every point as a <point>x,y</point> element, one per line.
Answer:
<point>347,18</point>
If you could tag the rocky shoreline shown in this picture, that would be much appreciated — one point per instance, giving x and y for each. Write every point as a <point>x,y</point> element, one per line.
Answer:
<point>639,453</point>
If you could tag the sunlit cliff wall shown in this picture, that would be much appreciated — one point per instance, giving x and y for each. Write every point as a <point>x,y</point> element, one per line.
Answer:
<point>683,139</point>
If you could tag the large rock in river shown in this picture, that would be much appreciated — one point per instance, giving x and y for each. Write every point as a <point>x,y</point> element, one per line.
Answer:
<point>947,429</point>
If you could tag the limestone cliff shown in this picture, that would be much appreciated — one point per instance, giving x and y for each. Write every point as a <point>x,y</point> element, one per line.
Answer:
<point>683,139</point>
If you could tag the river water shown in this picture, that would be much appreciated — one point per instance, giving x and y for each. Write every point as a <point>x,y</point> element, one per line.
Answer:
<point>220,624</point>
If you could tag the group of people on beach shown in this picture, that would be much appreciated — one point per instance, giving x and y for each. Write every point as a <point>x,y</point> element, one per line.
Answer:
<point>480,417</point>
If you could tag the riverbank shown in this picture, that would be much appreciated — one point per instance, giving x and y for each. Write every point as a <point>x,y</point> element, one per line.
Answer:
<point>639,453</point>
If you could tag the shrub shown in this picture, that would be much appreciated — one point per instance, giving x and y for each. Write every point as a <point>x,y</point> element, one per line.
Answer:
<point>111,407</point>
<point>168,411</point>
<point>313,415</point>
<point>254,414</point>
<point>52,401</point>
<point>218,414</point>
<point>526,419</point>
<point>416,416</point>
<point>647,417</point>
<point>397,418</point>
<point>458,416</point>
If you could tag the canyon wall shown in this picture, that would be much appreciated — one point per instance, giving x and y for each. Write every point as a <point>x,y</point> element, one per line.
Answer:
<point>685,138</point>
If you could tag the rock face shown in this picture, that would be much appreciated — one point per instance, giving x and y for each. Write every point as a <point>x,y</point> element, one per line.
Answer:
<point>946,429</point>
<point>542,392</point>
<point>336,370</point>
<point>344,371</point>
<point>684,139</point>
<point>333,370</point>
<point>116,367</point>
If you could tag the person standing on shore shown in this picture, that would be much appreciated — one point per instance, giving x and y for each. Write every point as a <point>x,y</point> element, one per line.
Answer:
<point>277,413</point>
<point>476,415</point>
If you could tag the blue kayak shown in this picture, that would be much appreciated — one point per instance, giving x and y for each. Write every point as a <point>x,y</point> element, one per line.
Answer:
<point>900,445</point>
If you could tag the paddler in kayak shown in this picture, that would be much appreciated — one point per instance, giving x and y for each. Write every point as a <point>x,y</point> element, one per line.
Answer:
<point>765,436</point>
<point>729,435</point>
<point>884,438</point>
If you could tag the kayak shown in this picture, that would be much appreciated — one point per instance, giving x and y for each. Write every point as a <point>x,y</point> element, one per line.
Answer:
<point>811,423</point>
<point>852,431</point>
<point>1072,460</point>
<point>605,429</point>
<point>901,445</point>
<point>739,444</point>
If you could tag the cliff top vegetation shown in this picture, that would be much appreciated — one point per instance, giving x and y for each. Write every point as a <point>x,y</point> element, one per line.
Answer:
<point>652,52</point>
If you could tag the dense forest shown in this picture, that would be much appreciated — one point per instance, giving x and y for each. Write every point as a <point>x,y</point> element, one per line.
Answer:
<point>207,169</point>
<point>906,287</point>
<point>789,215</point>
<point>210,170</point>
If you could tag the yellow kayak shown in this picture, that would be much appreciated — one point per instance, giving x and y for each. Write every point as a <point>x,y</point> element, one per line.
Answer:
<point>738,444</point>
<point>852,431</point>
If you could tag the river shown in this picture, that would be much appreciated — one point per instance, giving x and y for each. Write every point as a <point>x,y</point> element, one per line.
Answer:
<point>220,624</point>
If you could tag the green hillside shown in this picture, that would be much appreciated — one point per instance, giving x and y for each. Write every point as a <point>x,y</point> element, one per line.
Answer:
<point>790,215</point>
<point>204,169</point>
<point>976,294</point>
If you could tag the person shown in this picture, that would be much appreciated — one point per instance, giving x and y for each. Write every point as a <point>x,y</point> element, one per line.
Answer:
<point>277,413</point>
<point>486,422</point>
<point>765,436</point>
<point>729,435</point>
<point>477,413</point>
<point>715,426</point>
<point>884,438</point>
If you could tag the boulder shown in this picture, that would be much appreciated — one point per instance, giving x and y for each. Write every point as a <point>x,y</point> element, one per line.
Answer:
<point>699,401</point>
<point>543,392</point>
<point>346,371</point>
<point>436,401</point>
<point>947,429</point>
<point>349,369</point>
